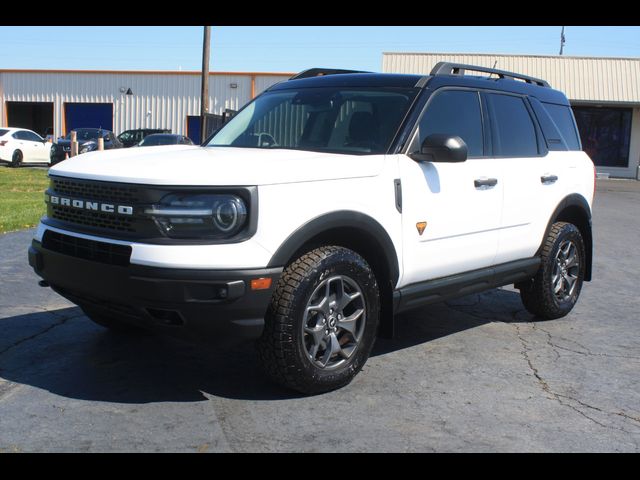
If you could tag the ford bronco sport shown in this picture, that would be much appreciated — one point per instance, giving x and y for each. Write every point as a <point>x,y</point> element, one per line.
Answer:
<point>330,203</point>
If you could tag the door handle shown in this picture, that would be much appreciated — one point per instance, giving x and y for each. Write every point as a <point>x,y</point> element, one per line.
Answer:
<point>548,179</point>
<point>485,183</point>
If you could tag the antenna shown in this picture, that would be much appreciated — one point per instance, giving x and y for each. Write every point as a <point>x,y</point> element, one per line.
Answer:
<point>493,68</point>
<point>562,40</point>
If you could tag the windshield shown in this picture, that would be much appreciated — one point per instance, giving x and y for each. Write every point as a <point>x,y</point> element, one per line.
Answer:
<point>87,134</point>
<point>126,136</point>
<point>153,140</point>
<point>336,119</point>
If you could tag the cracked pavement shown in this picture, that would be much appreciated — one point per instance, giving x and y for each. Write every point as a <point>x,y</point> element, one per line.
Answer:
<point>474,374</point>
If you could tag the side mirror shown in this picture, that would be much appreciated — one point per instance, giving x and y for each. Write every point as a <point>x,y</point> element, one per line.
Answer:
<point>440,147</point>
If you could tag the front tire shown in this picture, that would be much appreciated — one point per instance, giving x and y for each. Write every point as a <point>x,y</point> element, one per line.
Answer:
<point>556,287</point>
<point>322,321</point>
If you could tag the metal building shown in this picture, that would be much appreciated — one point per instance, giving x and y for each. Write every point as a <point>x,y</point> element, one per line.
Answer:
<point>56,101</point>
<point>604,94</point>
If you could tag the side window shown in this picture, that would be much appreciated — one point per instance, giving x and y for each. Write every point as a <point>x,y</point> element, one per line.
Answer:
<point>563,118</point>
<point>19,135</point>
<point>453,112</point>
<point>32,137</point>
<point>513,132</point>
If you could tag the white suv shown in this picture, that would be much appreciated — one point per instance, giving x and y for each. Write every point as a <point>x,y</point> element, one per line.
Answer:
<point>327,205</point>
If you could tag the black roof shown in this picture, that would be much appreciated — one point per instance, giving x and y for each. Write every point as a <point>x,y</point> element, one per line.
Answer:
<point>543,93</point>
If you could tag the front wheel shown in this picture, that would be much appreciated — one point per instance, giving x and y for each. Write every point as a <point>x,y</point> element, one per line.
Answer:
<point>555,289</point>
<point>322,321</point>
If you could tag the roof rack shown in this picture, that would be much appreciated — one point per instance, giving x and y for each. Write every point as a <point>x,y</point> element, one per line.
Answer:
<point>447,68</point>
<point>318,72</point>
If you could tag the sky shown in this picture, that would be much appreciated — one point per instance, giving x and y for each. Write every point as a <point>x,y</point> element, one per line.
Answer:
<point>288,48</point>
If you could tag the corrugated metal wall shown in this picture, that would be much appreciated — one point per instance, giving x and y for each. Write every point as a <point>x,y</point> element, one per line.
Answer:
<point>159,100</point>
<point>584,79</point>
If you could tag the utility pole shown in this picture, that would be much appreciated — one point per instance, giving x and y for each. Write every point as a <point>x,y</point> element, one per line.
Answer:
<point>204,93</point>
<point>561,40</point>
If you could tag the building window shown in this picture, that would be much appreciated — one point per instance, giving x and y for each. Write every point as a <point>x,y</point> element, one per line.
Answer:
<point>605,134</point>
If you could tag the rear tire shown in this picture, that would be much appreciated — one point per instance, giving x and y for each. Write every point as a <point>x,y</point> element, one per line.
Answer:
<point>322,321</point>
<point>16,159</point>
<point>555,289</point>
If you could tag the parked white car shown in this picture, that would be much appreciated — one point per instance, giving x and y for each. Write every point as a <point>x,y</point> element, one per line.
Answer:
<point>19,146</point>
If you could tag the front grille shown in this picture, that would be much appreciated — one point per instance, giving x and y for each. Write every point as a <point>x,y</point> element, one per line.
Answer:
<point>97,221</point>
<point>92,219</point>
<point>96,190</point>
<point>93,250</point>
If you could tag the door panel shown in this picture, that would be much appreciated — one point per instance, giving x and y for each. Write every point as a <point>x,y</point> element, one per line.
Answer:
<point>529,201</point>
<point>463,220</point>
<point>37,150</point>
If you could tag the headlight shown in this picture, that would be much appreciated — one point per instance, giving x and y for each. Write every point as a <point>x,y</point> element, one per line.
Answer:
<point>88,147</point>
<point>210,216</point>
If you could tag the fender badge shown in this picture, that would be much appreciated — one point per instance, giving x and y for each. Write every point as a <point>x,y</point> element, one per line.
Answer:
<point>421,226</point>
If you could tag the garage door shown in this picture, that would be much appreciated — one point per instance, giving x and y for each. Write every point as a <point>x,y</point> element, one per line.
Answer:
<point>36,116</point>
<point>88,115</point>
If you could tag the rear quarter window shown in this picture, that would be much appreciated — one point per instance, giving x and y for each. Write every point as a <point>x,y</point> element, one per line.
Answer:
<point>562,116</point>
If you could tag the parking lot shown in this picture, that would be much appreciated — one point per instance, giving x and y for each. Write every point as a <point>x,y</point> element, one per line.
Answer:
<point>474,374</point>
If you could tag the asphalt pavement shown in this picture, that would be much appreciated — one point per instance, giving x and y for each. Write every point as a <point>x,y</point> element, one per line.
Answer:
<point>475,374</point>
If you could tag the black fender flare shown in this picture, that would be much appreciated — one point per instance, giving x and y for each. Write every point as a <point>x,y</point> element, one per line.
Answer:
<point>575,200</point>
<point>342,219</point>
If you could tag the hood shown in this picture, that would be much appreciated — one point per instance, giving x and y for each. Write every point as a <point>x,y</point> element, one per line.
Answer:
<point>216,166</point>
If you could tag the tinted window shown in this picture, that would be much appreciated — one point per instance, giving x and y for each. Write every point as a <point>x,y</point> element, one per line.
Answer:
<point>31,136</point>
<point>514,134</point>
<point>3,132</point>
<point>563,118</point>
<point>125,136</point>
<point>453,112</point>
<point>18,135</point>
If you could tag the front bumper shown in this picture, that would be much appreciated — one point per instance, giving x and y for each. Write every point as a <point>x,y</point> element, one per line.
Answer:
<point>189,301</point>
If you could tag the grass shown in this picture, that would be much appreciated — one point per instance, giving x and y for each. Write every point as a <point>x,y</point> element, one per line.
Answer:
<point>21,197</point>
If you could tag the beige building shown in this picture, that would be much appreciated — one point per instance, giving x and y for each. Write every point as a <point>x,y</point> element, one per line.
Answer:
<point>604,94</point>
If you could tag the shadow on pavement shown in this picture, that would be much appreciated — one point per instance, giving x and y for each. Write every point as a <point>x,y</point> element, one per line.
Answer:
<point>67,354</point>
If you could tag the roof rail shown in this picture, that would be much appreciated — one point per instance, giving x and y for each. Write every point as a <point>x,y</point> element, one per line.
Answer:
<point>317,72</point>
<point>447,68</point>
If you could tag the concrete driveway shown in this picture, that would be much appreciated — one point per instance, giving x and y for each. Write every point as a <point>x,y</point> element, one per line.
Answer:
<point>474,374</point>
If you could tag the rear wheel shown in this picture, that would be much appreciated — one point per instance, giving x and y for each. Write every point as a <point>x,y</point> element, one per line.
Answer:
<point>322,321</point>
<point>556,287</point>
<point>16,159</point>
